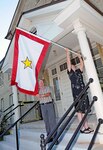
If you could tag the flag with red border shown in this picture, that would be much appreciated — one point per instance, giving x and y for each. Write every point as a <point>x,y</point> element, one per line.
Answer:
<point>29,53</point>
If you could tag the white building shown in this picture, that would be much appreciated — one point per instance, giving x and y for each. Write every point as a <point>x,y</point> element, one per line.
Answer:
<point>71,23</point>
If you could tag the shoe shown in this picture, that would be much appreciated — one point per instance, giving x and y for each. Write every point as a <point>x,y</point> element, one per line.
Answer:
<point>87,131</point>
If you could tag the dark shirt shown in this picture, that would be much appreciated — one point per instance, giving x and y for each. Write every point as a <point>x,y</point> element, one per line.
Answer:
<point>77,83</point>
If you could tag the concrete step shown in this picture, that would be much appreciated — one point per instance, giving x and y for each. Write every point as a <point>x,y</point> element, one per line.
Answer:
<point>25,140</point>
<point>30,137</point>
<point>25,144</point>
<point>5,146</point>
<point>66,136</point>
<point>40,124</point>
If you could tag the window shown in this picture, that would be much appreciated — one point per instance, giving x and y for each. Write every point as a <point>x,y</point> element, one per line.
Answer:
<point>98,63</point>
<point>100,72</point>
<point>10,99</point>
<point>9,76</point>
<point>1,79</point>
<point>10,103</point>
<point>2,104</point>
<point>54,71</point>
<point>94,51</point>
<point>56,88</point>
<point>63,67</point>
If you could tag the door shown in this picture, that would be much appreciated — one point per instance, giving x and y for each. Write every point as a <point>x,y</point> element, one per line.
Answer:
<point>54,82</point>
<point>66,93</point>
<point>58,104</point>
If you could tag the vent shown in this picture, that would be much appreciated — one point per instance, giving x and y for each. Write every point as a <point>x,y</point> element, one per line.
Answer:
<point>33,30</point>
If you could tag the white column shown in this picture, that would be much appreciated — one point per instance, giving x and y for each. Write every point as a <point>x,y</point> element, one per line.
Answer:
<point>90,69</point>
<point>15,102</point>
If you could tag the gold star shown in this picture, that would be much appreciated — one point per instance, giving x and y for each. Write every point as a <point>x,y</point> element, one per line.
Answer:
<point>27,63</point>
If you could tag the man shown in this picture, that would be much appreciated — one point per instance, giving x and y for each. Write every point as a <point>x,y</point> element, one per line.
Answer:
<point>77,85</point>
<point>47,107</point>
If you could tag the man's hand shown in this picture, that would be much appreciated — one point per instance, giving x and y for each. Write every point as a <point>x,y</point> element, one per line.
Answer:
<point>67,50</point>
<point>79,55</point>
<point>39,96</point>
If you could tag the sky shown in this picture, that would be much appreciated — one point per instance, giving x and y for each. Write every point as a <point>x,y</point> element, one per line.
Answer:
<point>7,9</point>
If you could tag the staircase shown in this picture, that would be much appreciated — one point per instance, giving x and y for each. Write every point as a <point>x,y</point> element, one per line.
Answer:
<point>29,138</point>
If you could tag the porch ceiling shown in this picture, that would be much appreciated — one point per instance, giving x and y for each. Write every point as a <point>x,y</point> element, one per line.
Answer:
<point>91,20</point>
<point>57,53</point>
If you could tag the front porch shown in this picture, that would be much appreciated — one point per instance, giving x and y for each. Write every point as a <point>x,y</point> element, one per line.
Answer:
<point>29,137</point>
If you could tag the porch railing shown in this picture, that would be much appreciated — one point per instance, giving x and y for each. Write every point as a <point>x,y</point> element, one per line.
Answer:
<point>45,141</point>
<point>34,115</point>
<point>100,122</point>
<point>4,124</point>
<point>8,108</point>
<point>80,125</point>
<point>12,110</point>
<point>16,127</point>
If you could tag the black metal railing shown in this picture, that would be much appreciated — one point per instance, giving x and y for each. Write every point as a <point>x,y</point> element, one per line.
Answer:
<point>12,110</point>
<point>15,124</point>
<point>4,123</point>
<point>4,120</point>
<point>8,108</point>
<point>100,121</point>
<point>45,141</point>
<point>71,141</point>
<point>30,117</point>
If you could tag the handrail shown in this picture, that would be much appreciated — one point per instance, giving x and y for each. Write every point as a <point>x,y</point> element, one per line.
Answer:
<point>100,121</point>
<point>80,125</point>
<point>2,123</point>
<point>64,126</point>
<point>18,119</point>
<point>45,141</point>
<point>13,110</point>
<point>7,118</point>
<point>4,117</point>
<point>8,108</point>
<point>67,112</point>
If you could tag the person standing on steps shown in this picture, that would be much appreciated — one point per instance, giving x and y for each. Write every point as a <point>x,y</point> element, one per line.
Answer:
<point>77,85</point>
<point>47,108</point>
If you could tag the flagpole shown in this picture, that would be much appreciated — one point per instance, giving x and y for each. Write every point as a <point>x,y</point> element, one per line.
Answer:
<point>64,47</point>
<point>84,58</point>
<point>53,43</point>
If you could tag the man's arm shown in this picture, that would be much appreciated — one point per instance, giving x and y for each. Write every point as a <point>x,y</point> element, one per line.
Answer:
<point>69,66</point>
<point>43,95</point>
<point>81,66</point>
<point>46,94</point>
